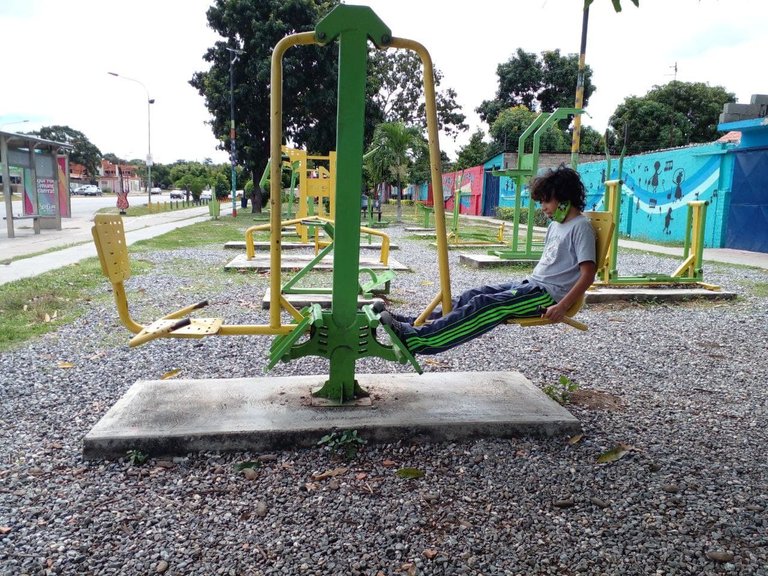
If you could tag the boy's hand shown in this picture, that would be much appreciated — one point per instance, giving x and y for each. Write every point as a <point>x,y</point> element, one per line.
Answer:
<point>554,313</point>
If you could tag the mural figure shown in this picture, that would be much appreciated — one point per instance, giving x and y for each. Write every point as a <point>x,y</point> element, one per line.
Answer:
<point>667,221</point>
<point>655,177</point>
<point>678,179</point>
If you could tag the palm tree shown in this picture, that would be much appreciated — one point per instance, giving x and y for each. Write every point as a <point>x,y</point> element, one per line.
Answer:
<point>392,149</point>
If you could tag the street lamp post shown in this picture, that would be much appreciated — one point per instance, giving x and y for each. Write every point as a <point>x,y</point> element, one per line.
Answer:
<point>233,54</point>
<point>12,123</point>
<point>150,101</point>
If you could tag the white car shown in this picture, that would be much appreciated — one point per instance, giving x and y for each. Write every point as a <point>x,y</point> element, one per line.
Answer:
<point>155,190</point>
<point>206,195</point>
<point>177,194</point>
<point>89,190</point>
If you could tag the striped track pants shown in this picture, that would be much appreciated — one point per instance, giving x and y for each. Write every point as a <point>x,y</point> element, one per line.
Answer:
<point>476,312</point>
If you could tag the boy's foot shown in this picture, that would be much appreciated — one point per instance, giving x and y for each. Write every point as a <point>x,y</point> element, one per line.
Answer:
<point>399,328</point>
<point>378,306</point>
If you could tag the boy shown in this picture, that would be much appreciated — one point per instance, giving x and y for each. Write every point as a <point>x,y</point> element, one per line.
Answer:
<point>564,272</point>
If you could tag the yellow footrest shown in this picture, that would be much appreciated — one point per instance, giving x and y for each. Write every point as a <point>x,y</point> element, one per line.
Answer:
<point>178,328</point>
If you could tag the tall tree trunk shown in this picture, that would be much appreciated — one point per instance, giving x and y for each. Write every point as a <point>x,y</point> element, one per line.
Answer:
<point>258,197</point>
<point>399,202</point>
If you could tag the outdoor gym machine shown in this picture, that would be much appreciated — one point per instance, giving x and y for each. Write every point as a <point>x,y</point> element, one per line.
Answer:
<point>689,272</point>
<point>527,166</point>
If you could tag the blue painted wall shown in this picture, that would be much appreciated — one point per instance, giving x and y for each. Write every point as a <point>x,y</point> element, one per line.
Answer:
<point>657,188</point>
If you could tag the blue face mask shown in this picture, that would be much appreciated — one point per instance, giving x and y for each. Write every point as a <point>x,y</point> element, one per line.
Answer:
<point>561,212</point>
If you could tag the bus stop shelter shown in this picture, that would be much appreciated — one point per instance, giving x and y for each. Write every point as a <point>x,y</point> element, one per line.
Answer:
<point>37,170</point>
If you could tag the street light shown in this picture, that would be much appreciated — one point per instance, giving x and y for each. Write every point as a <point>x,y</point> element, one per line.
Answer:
<point>149,133</point>
<point>12,123</point>
<point>233,54</point>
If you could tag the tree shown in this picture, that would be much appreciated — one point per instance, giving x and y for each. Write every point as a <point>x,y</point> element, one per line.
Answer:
<point>511,123</point>
<point>474,153</point>
<point>110,157</point>
<point>394,148</point>
<point>676,114</point>
<point>592,142</point>
<point>396,93</point>
<point>538,84</point>
<point>83,153</point>
<point>309,113</point>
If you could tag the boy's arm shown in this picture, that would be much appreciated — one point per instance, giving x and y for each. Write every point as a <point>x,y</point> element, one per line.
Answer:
<point>587,272</point>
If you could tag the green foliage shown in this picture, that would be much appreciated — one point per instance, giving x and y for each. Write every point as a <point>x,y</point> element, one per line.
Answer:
<point>562,391</point>
<point>395,92</point>
<point>410,473</point>
<point>136,457</point>
<point>474,153</point>
<point>537,84</point>
<point>247,465</point>
<point>309,113</point>
<point>83,153</point>
<point>221,186</point>
<point>508,213</point>
<point>512,122</point>
<point>347,443</point>
<point>676,114</point>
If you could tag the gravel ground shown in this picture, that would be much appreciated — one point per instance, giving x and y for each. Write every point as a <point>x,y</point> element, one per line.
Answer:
<point>682,387</point>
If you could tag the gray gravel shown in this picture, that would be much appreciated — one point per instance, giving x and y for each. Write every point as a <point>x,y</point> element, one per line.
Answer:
<point>683,386</point>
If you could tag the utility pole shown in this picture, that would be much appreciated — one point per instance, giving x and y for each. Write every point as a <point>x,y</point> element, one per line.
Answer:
<point>233,54</point>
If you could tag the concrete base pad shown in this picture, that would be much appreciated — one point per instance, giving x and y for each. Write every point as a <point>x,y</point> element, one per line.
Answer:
<point>240,245</point>
<point>490,261</point>
<point>261,262</point>
<point>175,417</point>
<point>299,301</point>
<point>661,294</point>
<point>470,244</point>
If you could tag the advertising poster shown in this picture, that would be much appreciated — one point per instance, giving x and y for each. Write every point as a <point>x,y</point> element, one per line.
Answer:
<point>29,194</point>
<point>46,196</point>
<point>61,166</point>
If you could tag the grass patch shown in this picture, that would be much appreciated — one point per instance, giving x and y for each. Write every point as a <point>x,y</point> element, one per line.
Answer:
<point>758,289</point>
<point>155,208</point>
<point>34,306</point>
<point>227,228</point>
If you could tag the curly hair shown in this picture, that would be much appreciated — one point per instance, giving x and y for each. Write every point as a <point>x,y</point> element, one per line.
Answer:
<point>562,183</point>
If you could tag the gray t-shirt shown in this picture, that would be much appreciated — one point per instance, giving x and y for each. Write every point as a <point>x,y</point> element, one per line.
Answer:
<point>565,247</point>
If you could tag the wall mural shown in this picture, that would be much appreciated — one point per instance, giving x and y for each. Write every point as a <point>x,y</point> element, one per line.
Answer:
<point>657,188</point>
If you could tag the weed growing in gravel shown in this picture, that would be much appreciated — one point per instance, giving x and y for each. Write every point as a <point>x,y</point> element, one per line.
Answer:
<point>562,391</point>
<point>346,443</point>
<point>136,457</point>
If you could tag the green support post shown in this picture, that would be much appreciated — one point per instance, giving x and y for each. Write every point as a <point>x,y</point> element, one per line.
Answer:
<point>352,25</point>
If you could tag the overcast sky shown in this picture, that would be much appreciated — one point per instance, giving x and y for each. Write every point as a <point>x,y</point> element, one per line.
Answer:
<point>56,56</point>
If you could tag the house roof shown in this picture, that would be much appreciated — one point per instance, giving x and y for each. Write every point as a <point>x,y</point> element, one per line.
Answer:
<point>733,136</point>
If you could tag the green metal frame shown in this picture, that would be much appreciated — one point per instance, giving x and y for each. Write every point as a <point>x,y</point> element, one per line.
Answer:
<point>527,166</point>
<point>343,334</point>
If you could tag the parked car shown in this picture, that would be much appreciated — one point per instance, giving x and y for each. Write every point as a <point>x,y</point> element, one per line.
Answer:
<point>155,190</point>
<point>178,194</point>
<point>205,195</point>
<point>89,190</point>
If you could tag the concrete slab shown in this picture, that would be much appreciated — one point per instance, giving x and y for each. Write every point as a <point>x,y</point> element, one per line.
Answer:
<point>175,417</point>
<point>261,263</point>
<point>491,261</point>
<point>301,300</point>
<point>662,294</point>
<point>240,245</point>
<point>469,244</point>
